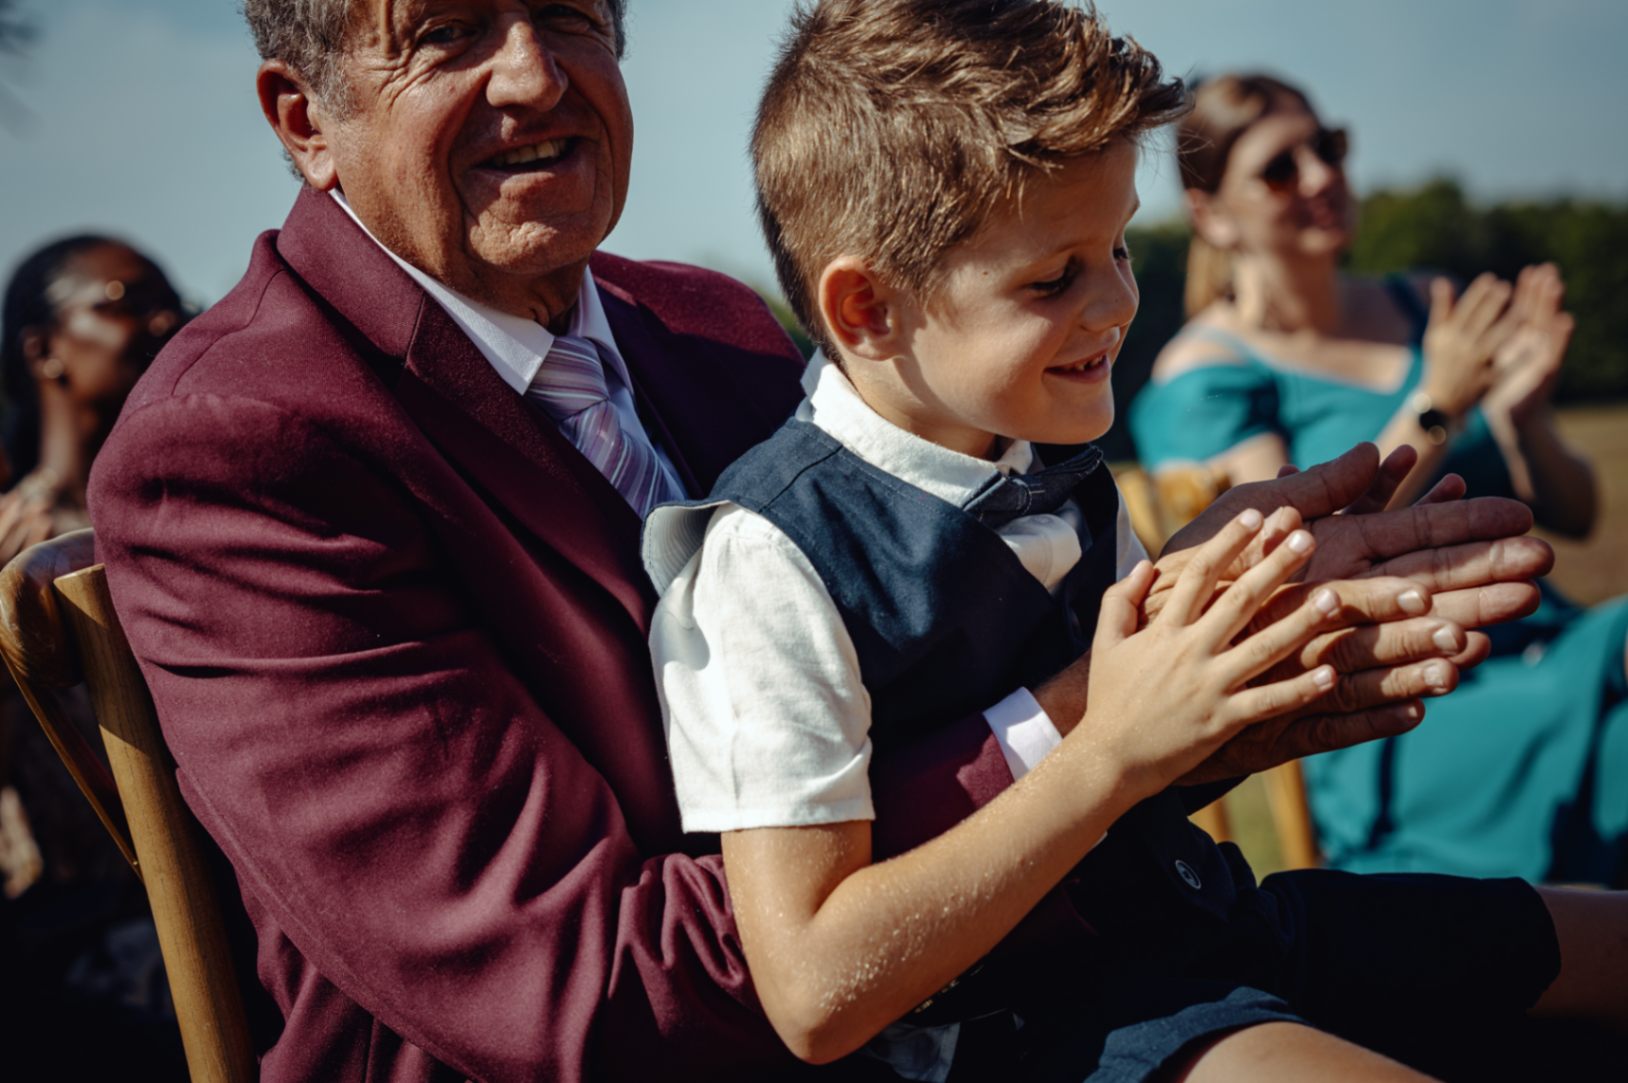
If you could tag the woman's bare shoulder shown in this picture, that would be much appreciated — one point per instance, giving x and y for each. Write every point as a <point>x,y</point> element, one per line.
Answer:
<point>1208,339</point>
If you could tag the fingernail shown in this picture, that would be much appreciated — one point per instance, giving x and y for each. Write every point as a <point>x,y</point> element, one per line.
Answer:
<point>1324,677</point>
<point>1251,519</point>
<point>1300,541</point>
<point>1413,712</point>
<point>1436,674</point>
<point>1412,601</point>
<point>1325,601</point>
<point>1444,638</point>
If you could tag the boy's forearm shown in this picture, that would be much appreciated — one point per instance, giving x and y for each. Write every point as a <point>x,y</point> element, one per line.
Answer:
<point>1065,695</point>
<point>839,948</point>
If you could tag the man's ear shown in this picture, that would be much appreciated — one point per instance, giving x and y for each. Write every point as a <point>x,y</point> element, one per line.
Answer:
<point>859,310</point>
<point>299,121</point>
<point>1210,220</point>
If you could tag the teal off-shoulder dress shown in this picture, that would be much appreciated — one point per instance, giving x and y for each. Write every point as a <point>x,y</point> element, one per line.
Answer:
<point>1523,770</point>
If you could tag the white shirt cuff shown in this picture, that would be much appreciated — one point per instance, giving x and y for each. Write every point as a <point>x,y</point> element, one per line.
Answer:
<point>1023,731</point>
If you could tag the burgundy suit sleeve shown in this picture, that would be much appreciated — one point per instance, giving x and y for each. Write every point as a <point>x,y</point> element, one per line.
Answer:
<point>386,788</point>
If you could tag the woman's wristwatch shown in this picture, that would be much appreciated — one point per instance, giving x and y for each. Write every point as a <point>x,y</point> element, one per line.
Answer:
<point>1438,425</point>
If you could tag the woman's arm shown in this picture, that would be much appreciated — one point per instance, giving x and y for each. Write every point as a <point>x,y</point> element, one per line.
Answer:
<point>1461,341</point>
<point>1551,477</point>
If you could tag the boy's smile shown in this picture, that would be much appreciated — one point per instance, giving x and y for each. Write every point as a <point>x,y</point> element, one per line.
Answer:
<point>1019,338</point>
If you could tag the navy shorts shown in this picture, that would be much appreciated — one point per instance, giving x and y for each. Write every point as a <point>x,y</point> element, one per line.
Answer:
<point>1390,962</point>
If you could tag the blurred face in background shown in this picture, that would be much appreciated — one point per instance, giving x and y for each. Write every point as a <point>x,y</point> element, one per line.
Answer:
<point>1284,190</point>
<point>114,310</point>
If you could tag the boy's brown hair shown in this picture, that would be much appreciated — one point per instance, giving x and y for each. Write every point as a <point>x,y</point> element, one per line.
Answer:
<point>891,129</point>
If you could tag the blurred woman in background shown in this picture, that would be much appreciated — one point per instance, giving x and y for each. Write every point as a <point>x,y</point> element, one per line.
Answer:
<point>1524,769</point>
<point>82,319</point>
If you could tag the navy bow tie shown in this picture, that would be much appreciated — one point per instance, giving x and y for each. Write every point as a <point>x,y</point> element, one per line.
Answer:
<point>1005,497</point>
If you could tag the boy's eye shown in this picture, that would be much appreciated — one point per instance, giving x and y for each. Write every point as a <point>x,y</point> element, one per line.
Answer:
<point>1123,253</point>
<point>1052,286</point>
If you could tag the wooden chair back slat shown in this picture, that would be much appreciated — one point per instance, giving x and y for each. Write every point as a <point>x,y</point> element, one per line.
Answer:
<point>1291,816</point>
<point>44,664</point>
<point>57,622</point>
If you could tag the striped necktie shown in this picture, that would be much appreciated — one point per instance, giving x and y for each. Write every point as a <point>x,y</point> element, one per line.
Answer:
<point>570,389</point>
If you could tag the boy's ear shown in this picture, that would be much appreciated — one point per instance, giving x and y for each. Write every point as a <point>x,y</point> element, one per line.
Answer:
<point>299,121</point>
<point>858,308</point>
<point>1210,221</point>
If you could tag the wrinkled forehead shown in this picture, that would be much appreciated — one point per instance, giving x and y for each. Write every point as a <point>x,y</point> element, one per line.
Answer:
<point>379,22</point>
<point>375,22</point>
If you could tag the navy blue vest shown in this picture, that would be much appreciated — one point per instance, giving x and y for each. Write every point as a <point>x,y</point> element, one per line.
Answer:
<point>946,621</point>
<point>944,617</point>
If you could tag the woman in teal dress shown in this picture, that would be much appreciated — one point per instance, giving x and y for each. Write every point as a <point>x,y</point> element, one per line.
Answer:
<point>1523,770</point>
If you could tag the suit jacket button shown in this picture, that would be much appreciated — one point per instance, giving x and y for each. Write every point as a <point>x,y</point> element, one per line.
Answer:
<point>1188,876</point>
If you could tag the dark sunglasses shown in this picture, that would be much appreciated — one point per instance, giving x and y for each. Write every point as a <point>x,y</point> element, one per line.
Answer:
<point>1282,171</point>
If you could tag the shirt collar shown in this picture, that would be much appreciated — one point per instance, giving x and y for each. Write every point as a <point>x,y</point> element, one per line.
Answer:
<point>835,406</point>
<point>513,345</point>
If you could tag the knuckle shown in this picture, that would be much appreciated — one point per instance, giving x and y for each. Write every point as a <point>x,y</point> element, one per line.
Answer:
<point>1350,694</point>
<point>1341,649</point>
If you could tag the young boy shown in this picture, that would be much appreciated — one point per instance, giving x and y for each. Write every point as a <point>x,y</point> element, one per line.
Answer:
<point>945,185</point>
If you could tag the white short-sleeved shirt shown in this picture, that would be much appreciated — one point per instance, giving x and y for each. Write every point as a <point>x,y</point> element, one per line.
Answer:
<point>768,720</point>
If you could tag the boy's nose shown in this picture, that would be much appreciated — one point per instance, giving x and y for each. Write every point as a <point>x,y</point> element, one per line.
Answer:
<point>1114,305</point>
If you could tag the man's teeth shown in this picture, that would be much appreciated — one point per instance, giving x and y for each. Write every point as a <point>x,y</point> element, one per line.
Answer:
<point>537,152</point>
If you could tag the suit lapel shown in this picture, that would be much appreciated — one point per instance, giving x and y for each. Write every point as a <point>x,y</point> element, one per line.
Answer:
<point>703,401</point>
<point>538,476</point>
<point>540,481</point>
<point>642,354</point>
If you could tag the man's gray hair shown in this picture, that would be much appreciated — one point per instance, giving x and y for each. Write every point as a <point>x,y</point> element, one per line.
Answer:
<point>310,37</point>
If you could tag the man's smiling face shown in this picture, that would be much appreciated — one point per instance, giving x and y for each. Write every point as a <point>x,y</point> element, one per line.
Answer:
<point>486,141</point>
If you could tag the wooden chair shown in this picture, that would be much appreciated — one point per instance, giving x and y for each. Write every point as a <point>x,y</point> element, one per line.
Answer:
<point>58,628</point>
<point>1158,506</point>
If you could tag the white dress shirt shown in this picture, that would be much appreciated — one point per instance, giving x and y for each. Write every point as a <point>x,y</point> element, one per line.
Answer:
<point>515,346</point>
<point>768,719</point>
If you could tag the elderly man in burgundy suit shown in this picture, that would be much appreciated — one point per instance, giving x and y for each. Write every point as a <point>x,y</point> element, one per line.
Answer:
<point>372,526</point>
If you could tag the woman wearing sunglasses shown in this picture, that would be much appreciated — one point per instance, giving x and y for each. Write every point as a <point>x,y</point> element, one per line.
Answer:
<point>1524,769</point>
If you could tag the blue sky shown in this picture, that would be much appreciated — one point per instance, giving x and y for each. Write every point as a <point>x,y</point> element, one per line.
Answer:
<point>140,114</point>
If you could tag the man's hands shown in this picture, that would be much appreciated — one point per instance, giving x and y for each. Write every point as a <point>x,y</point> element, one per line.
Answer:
<point>1469,555</point>
<point>1409,582</point>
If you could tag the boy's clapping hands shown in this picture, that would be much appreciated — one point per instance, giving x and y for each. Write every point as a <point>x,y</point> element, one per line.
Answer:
<point>1165,695</point>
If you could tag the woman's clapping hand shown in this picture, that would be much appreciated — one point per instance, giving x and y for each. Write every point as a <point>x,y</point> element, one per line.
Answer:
<point>1527,366</point>
<point>1463,339</point>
